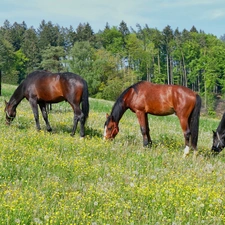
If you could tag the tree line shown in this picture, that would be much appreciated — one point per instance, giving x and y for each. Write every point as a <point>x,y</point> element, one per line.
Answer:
<point>116,57</point>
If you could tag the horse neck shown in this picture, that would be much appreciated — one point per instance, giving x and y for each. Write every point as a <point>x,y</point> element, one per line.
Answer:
<point>221,128</point>
<point>118,110</point>
<point>17,96</point>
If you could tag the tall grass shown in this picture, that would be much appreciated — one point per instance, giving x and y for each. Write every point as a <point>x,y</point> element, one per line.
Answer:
<point>53,178</point>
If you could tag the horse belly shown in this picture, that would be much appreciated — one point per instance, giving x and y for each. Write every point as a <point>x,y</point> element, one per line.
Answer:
<point>51,95</point>
<point>160,111</point>
<point>159,108</point>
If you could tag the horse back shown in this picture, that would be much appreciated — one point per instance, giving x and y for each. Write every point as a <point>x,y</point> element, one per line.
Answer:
<point>160,99</point>
<point>53,87</point>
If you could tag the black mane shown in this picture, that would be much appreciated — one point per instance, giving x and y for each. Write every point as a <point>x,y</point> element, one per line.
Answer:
<point>221,128</point>
<point>119,107</point>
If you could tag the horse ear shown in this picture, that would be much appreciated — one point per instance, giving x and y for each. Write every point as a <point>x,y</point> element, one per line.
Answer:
<point>107,115</point>
<point>6,102</point>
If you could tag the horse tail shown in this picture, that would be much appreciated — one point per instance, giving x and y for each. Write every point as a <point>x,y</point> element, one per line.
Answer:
<point>194,121</point>
<point>85,101</point>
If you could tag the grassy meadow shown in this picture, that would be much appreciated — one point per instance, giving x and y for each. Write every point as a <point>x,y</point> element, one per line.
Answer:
<point>53,178</point>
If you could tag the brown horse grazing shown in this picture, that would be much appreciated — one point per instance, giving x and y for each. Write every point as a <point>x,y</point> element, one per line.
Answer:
<point>160,100</point>
<point>43,87</point>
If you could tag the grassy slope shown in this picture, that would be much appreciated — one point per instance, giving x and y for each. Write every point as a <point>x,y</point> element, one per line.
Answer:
<point>57,179</point>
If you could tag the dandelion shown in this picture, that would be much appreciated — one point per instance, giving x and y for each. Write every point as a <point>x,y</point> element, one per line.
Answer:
<point>95,203</point>
<point>37,221</point>
<point>46,217</point>
<point>219,200</point>
<point>17,220</point>
<point>160,213</point>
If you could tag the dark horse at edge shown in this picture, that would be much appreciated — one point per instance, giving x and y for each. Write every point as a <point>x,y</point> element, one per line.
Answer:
<point>145,98</point>
<point>43,87</point>
<point>219,137</point>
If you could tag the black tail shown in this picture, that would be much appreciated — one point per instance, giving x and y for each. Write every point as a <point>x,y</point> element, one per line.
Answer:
<point>85,101</point>
<point>194,122</point>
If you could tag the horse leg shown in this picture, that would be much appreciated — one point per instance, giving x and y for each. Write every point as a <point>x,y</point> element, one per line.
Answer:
<point>148,130</point>
<point>44,112</point>
<point>187,134</point>
<point>77,117</point>
<point>143,121</point>
<point>34,107</point>
<point>82,122</point>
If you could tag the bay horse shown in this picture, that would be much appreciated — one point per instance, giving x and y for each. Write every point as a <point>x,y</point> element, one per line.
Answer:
<point>219,137</point>
<point>42,88</point>
<point>145,98</point>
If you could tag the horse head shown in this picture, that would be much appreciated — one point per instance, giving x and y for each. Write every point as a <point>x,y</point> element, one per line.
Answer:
<point>10,113</point>
<point>111,128</point>
<point>218,142</point>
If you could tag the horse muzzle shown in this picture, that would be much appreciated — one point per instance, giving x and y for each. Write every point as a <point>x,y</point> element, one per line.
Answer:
<point>216,150</point>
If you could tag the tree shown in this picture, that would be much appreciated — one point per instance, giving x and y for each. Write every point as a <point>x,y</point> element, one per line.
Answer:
<point>104,69</point>
<point>17,32</point>
<point>167,40</point>
<point>84,32</point>
<point>112,40</point>
<point>135,51</point>
<point>49,34</point>
<point>80,61</point>
<point>13,33</point>
<point>7,58</point>
<point>150,56</point>
<point>52,58</point>
<point>20,65</point>
<point>30,48</point>
<point>123,29</point>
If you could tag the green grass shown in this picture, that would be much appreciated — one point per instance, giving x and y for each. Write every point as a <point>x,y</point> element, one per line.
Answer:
<point>53,178</point>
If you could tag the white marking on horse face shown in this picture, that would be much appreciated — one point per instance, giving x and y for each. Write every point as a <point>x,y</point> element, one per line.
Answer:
<point>186,151</point>
<point>105,132</point>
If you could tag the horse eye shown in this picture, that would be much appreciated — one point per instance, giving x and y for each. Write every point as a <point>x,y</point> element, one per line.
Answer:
<point>109,128</point>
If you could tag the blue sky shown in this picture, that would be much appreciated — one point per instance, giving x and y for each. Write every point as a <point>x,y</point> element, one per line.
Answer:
<point>205,15</point>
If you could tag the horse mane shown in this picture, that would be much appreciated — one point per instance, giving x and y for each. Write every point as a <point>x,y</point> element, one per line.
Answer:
<point>221,128</point>
<point>119,107</point>
<point>17,96</point>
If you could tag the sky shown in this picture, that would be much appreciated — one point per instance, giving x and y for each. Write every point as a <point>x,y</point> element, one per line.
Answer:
<point>205,15</point>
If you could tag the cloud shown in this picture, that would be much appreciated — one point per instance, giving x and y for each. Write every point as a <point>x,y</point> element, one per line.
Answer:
<point>218,13</point>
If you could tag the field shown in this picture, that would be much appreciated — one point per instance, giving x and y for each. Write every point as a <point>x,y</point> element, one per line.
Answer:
<point>53,178</point>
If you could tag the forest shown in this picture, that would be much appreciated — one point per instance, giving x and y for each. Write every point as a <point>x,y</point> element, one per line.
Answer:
<point>115,57</point>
